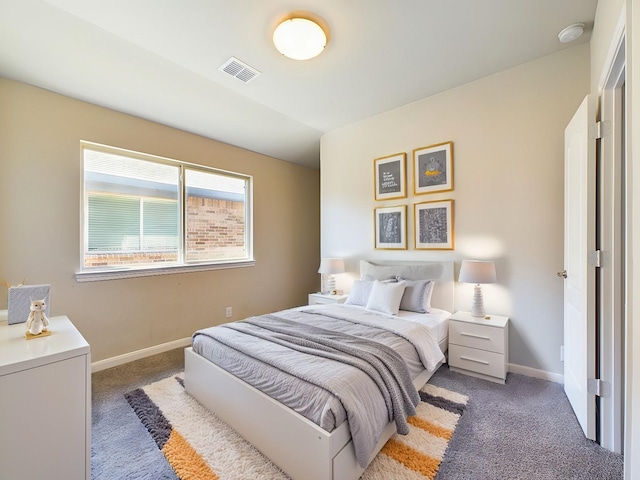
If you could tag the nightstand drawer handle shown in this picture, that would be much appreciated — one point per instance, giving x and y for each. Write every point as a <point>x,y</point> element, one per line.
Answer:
<point>462,357</point>
<point>474,336</point>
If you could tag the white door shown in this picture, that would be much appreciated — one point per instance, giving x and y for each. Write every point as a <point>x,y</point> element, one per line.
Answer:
<point>579,284</point>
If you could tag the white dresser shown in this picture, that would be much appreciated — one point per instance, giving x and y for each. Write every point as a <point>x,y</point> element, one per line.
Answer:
<point>479,346</point>
<point>45,403</point>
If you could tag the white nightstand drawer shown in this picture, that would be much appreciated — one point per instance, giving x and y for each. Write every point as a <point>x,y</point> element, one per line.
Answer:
<point>480,361</point>
<point>483,337</point>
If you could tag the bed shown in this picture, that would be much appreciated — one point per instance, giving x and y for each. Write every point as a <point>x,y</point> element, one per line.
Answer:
<point>295,440</point>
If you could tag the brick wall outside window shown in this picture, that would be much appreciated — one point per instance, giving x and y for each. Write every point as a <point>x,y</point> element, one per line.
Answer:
<point>215,229</point>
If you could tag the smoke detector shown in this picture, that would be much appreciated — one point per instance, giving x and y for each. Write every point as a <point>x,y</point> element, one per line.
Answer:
<point>571,33</point>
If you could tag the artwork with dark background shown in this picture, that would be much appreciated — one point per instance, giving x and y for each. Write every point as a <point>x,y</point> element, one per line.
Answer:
<point>389,177</point>
<point>433,225</point>
<point>432,169</point>
<point>390,227</point>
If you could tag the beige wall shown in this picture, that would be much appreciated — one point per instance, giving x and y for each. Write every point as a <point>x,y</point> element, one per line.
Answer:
<point>507,131</point>
<point>40,174</point>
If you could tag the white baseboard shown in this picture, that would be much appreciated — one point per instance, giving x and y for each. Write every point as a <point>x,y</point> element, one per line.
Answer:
<point>138,354</point>
<point>533,372</point>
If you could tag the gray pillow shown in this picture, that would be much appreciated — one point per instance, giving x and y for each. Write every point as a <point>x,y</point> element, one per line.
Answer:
<point>417,296</point>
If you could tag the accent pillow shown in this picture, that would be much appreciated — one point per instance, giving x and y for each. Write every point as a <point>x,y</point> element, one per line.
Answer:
<point>386,297</point>
<point>417,296</point>
<point>359,294</point>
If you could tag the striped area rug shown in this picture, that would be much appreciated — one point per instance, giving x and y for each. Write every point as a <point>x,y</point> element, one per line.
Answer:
<point>199,446</point>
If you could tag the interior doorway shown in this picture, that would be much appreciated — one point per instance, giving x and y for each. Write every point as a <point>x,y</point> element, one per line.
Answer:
<point>611,228</point>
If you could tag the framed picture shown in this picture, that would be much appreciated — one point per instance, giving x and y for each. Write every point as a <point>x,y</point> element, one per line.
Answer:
<point>390,176</point>
<point>391,228</point>
<point>434,225</point>
<point>19,301</point>
<point>433,168</point>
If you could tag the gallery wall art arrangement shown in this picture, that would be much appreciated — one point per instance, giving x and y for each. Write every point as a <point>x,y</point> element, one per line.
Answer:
<point>432,172</point>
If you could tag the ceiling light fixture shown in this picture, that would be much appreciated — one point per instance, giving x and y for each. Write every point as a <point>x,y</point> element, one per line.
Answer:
<point>571,33</point>
<point>299,38</point>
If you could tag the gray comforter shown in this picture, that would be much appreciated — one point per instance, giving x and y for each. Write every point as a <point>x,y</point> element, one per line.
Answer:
<point>342,351</point>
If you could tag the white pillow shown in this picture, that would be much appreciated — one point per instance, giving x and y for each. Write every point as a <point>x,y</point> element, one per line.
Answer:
<point>386,297</point>
<point>417,296</point>
<point>359,294</point>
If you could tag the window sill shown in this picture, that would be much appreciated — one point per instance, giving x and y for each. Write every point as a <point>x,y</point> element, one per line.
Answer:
<point>115,274</point>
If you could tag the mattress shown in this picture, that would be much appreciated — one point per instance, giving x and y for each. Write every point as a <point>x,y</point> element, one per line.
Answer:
<point>436,320</point>
<point>325,390</point>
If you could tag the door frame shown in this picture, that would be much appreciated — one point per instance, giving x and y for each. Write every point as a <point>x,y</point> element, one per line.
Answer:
<point>612,240</point>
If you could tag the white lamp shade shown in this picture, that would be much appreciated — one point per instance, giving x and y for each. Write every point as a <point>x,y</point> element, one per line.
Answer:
<point>330,266</point>
<point>299,38</point>
<point>476,271</point>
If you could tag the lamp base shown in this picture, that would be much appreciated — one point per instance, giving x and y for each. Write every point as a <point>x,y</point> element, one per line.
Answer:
<point>328,284</point>
<point>477,308</point>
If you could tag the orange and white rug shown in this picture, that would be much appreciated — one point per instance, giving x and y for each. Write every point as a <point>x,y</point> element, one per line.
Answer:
<point>199,446</point>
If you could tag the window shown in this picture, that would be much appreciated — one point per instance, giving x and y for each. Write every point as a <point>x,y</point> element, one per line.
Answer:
<point>143,212</point>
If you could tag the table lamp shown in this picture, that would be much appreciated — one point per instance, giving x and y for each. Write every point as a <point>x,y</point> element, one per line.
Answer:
<point>328,268</point>
<point>478,272</point>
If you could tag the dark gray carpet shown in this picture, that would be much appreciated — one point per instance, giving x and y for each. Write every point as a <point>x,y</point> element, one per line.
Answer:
<point>522,430</point>
<point>121,448</point>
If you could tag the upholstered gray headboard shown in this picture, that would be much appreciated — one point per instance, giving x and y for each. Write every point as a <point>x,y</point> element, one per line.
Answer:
<point>441,272</point>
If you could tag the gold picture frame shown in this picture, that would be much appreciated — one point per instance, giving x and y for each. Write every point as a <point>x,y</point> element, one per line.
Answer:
<point>390,176</point>
<point>433,168</point>
<point>390,227</point>
<point>434,225</point>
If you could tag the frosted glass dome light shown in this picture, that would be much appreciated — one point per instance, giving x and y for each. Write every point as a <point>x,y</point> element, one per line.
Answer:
<point>571,33</point>
<point>299,38</point>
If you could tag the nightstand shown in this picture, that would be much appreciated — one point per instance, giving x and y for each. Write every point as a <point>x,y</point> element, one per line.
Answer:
<point>479,346</point>
<point>321,299</point>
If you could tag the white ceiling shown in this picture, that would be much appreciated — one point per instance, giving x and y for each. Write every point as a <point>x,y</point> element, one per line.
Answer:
<point>159,59</point>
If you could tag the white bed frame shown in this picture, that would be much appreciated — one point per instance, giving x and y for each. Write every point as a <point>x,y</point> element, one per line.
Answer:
<point>302,449</point>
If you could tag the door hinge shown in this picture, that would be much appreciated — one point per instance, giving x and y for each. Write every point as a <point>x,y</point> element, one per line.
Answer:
<point>599,130</point>
<point>598,387</point>
<point>595,258</point>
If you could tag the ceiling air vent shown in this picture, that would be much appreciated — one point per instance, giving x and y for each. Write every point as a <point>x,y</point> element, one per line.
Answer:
<point>240,70</point>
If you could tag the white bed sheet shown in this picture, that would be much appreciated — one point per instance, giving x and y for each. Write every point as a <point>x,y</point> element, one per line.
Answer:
<point>436,320</point>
